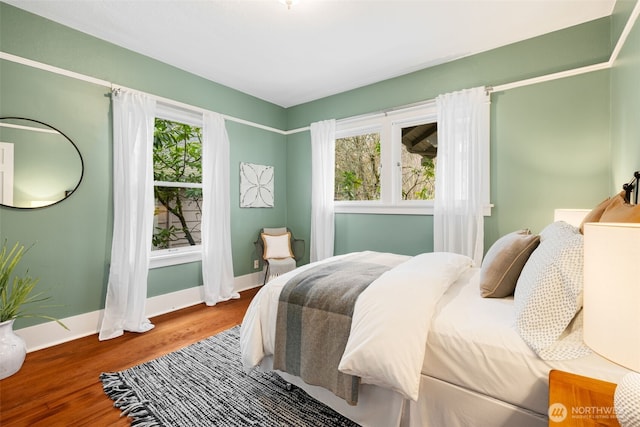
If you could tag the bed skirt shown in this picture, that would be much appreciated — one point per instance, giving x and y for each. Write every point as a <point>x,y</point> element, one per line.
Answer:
<point>440,404</point>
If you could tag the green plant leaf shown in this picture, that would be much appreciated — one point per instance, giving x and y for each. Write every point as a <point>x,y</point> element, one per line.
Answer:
<point>17,295</point>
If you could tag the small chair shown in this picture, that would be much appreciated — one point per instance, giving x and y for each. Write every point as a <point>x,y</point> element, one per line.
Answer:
<point>279,251</point>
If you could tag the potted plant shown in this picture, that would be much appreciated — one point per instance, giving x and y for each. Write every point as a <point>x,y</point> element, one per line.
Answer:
<point>16,296</point>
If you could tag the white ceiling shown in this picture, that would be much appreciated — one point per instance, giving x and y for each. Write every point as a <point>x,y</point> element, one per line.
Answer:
<point>318,47</point>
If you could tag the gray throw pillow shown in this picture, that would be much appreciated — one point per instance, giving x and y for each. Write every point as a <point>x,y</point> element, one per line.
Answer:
<point>504,261</point>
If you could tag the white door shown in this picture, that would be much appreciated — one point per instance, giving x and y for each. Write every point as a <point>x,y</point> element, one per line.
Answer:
<point>6,173</point>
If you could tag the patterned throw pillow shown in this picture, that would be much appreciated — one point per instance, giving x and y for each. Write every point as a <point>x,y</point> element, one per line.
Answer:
<point>548,295</point>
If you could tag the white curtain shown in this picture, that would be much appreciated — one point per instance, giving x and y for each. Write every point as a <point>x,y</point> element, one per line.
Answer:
<point>133,204</point>
<point>217,263</point>
<point>463,138</point>
<point>323,143</point>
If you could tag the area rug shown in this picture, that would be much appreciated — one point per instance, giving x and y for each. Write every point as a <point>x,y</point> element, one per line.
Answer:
<point>204,385</point>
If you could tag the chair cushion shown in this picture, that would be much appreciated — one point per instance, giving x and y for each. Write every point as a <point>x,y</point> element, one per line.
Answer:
<point>278,246</point>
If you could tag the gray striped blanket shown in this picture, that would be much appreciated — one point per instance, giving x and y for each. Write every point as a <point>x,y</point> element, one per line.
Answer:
<point>314,319</point>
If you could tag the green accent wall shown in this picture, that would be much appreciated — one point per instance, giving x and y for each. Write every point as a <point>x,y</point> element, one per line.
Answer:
<point>72,240</point>
<point>625,103</point>
<point>568,143</point>
<point>574,47</point>
<point>549,149</point>
<point>550,145</point>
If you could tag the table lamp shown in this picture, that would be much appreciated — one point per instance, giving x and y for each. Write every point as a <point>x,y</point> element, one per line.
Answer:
<point>612,305</point>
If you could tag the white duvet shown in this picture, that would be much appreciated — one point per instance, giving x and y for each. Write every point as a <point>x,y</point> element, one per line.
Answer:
<point>390,325</point>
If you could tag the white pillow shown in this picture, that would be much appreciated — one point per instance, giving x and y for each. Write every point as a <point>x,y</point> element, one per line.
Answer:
<point>548,294</point>
<point>277,246</point>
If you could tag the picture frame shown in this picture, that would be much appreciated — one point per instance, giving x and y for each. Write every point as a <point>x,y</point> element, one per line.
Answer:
<point>256,185</point>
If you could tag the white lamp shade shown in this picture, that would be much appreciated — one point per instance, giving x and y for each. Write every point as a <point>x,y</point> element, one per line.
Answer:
<point>612,291</point>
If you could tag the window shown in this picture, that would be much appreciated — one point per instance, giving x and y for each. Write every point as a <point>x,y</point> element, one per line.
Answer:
<point>177,174</point>
<point>418,150</point>
<point>386,163</point>
<point>357,175</point>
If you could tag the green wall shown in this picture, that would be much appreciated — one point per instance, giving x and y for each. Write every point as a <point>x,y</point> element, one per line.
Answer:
<point>565,143</point>
<point>563,50</point>
<point>73,239</point>
<point>625,104</point>
<point>549,142</point>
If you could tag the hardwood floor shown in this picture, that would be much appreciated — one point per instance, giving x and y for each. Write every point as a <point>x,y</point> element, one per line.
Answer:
<point>60,386</point>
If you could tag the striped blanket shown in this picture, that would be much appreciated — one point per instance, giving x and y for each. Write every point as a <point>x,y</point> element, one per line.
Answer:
<point>314,319</point>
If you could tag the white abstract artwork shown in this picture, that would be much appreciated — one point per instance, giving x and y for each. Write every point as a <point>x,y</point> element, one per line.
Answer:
<point>256,186</point>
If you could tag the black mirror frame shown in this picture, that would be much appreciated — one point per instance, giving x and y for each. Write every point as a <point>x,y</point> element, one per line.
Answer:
<point>67,194</point>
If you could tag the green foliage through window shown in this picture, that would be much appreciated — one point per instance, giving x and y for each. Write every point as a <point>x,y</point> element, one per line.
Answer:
<point>357,170</point>
<point>418,177</point>
<point>177,158</point>
<point>357,174</point>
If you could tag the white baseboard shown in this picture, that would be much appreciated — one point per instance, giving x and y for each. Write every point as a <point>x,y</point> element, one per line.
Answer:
<point>49,334</point>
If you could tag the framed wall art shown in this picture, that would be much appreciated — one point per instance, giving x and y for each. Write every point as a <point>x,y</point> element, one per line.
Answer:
<point>256,186</point>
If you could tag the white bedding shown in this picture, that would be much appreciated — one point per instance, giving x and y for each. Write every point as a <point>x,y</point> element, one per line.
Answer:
<point>474,343</point>
<point>391,320</point>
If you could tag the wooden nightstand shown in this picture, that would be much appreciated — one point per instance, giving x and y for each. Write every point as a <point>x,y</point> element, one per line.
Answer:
<point>575,400</point>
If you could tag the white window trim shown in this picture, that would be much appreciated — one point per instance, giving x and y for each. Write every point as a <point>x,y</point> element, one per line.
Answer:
<point>409,207</point>
<point>186,254</point>
<point>387,124</point>
<point>177,184</point>
<point>174,256</point>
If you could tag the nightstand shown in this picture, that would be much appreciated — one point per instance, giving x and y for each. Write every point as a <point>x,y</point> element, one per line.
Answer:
<point>575,400</point>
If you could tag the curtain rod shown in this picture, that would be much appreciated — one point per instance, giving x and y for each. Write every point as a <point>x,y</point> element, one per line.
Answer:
<point>499,88</point>
<point>491,89</point>
<point>105,83</point>
<point>189,107</point>
<point>89,79</point>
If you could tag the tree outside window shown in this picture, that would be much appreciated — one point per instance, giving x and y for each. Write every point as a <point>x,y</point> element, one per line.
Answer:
<point>177,170</point>
<point>358,165</point>
<point>418,160</point>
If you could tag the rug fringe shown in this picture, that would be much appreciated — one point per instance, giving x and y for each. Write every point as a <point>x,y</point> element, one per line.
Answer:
<point>125,399</point>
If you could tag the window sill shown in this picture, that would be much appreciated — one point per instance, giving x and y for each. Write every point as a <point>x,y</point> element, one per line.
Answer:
<point>380,209</point>
<point>168,257</point>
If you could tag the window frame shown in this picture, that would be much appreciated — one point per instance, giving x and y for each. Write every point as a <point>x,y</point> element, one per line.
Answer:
<point>390,124</point>
<point>186,254</point>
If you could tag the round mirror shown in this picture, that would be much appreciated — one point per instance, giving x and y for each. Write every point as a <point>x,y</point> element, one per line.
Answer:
<point>39,165</point>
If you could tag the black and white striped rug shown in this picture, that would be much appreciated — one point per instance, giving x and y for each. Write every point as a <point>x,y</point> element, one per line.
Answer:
<point>204,385</point>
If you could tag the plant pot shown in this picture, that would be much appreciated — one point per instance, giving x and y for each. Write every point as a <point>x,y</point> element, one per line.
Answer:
<point>12,350</point>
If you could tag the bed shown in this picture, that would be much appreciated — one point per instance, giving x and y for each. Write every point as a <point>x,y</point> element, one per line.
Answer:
<point>430,350</point>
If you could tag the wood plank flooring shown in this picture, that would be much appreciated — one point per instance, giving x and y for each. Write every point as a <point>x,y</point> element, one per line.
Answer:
<point>60,386</point>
